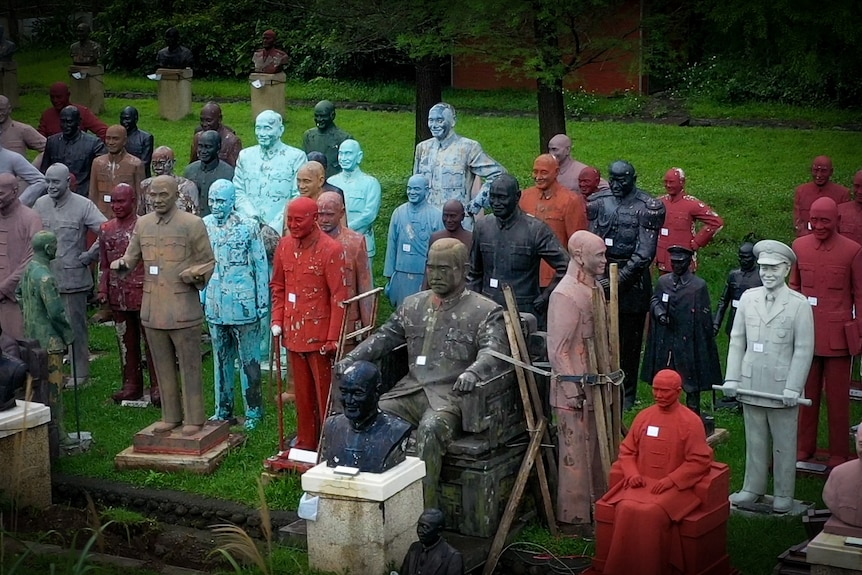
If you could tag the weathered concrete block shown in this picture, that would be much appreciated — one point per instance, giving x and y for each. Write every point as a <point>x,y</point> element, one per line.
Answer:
<point>25,475</point>
<point>829,549</point>
<point>267,93</point>
<point>9,82</point>
<point>86,83</point>
<point>175,93</point>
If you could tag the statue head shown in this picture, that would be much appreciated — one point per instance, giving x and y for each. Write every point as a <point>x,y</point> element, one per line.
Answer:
<point>349,155</point>
<point>430,526</point>
<point>211,116</point>
<point>315,156</point>
<point>70,121</point>
<point>209,145</point>
<point>163,194</point>
<point>441,120</point>
<point>560,146</point>
<point>163,161</point>
<point>504,196</point>
<point>674,181</point>
<point>823,218</point>
<point>545,171</point>
<point>747,261</point>
<point>8,192</point>
<point>622,178</point>
<point>222,198</point>
<point>83,32</point>
<point>5,109</point>
<point>123,201</point>
<point>44,244</point>
<point>301,217</point>
<point>269,38</point>
<point>57,178</point>
<point>666,389</point>
<point>680,259</point>
<point>857,179</point>
<point>588,180</point>
<point>268,128</point>
<point>821,170</point>
<point>774,260</point>
<point>115,139</point>
<point>330,210</point>
<point>359,385</point>
<point>417,189</point>
<point>129,119</point>
<point>310,179</point>
<point>453,215</point>
<point>446,268</point>
<point>172,38</point>
<point>587,251</point>
<point>59,94</point>
<point>324,115</point>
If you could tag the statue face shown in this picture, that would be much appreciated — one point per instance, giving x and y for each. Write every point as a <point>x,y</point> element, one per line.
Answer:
<point>453,215</point>
<point>163,163</point>
<point>267,131</point>
<point>503,199</point>
<point>821,170</point>
<point>593,257</point>
<point>59,97</point>
<point>222,197</point>
<point>673,184</point>
<point>857,183</point>
<point>162,195</point>
<point>83,32</point>
<point>5,109</point>
<point>666,395</point>
<point>208,147</point>
<point>57,178</point>
<point>621,179</point>
<point>123,202</point>
<point>747,261</point>
<point>772,275</point>
<point>428,529</point>
<point>545,172</point>
<point>445,275</point>
<point>129,119</point>
<point>358,399</point>
<point>300,222</point>
<point>172,37</point>
<point>309,182</point>
<point>8,191</point>
<point>824,222</point>
<point>440,122</point>
<point>349,155</point>
<point>211,117</point>
<point>70,121</point>
<point>268,40</point>
<point>679,263</point>
<point>560,146</point>
<point>588,181</point>
<point>329,215</point>
<point>417,189</point>
<point>115,139</point>
<point>324,116</point>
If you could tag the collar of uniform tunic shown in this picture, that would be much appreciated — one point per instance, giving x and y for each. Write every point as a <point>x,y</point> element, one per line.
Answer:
<point>165,219</point>
<point>448,303</point>
<point>74,139</point>
<point>309,240</point>
<point>64,200</point>
<point>447,141</point>
<point>507,224</point>
<point>827,244</point>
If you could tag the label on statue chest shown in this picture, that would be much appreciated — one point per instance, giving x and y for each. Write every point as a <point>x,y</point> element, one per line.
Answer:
<point>812,301</point>
<point>757,347</point>
<point>665,232</point>
<point>652,431</point>
<point>609,242</point>
<point>291,297</point>
<point>665,298</point>
<point>494,283</point>
<point>154,270</point>
<point>107,198</point>
<point>405,248</point>
<point>420,360</point>
<point>735,303</point>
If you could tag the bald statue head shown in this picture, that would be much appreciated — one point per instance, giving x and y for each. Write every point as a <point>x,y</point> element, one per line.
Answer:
<point>44,246</point>
<point>446,269</point>
<point>8,193</point>
<point>58,179</point>
<point>453,215</point>
<point>268,129</point>
<point>587,251</point>
<point>310,179</point>
<point>560,146</point>
<point>5,109</point>
<point>211,116</point>
<point>545,171</point>
<point>330,211</point>
<point>163,161</point>
<point>349,155</point>
<point>588,180</point>
<point>115,139</point>
<point>821,170</point>
<point>209,145</point>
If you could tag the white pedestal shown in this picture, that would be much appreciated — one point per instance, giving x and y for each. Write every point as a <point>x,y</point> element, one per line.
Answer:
<point>87,87</point>
<point>366,522</point>
<point>175,93</point>
<point>25,475</point>
<point>829,550</point>
<point>9,82</point>
<point>267,93</point>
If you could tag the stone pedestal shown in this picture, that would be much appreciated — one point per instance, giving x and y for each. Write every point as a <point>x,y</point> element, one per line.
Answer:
<point>364,522</point>
<point>830,550</point>
<point>267,93</point>
<point>175,93</point>
<point>86,83</point>
<point>9,82</point>
<point>25,475</point>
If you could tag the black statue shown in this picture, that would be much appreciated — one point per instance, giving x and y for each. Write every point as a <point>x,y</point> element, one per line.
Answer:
<point>174,55</point>
<point>431,555</point>
<point>738,280</point>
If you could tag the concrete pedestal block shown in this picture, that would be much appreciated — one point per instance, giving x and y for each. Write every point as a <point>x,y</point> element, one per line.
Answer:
<point>829,550</point>
<point>86,83</point>
<point>25,476</point>
<point>175,93</point>
<point>365,523</point>
<point>9,82</point>
<point>267,93</point>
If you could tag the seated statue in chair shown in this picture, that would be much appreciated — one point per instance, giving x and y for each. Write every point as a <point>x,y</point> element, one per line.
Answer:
<point>448,330</point>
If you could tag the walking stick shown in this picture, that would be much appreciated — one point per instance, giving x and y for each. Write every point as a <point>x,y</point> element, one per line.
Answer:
<point>275,344</point>
<point>75,387</point>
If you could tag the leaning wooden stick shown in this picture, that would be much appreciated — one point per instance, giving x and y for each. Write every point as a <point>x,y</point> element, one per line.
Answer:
<point>614,338</point>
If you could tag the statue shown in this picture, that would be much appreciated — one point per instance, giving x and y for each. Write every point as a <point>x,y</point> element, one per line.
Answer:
<point>828,271</point>
<point>560,146</point>
<point>682,213</point>
<point>50,122</point>
<point>410,229</point>
<point>178,261</point>
<point>431,555</point>
<point>453,217</point>
<point>564,211</point>
<point>208,168</point>
<point>680,333</point>
<point>310,179</point>
<point>451,163</point>
<point>174,55</point>
<point>507,249</point>
<point>663,456</point>
<point>17,136</point>
<point>13,376</point>
<point>265,175</point>
<point>69,216</point>
<point>163,165</point>
<point>318,157</point>
<point>211,119</point>
<point>235,300</point>
<point>15,164</point>
<point>362,194</point>
<point>818,187</point>
<point>738,281</point>
<point>85,52</point>
<point>629,220</point>
<point>74,149</point>
<point>325,137</point>
<point>363,436</point>
<point>849,213</point>
<point>771,346</point>
<point>841,494</point>
<point>7,47</point>
<point>447,331</point>
<point>123,294</point>
<point>116,167</point>
<point>307,290</point>
<point>18,225</point>
<point>588,181</point>
<point>138,142</point>
<point>571,321</point>
<point>269,59</point>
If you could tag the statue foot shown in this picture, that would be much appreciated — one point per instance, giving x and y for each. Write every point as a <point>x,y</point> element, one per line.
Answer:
<point>164,427</point>
<point>782,504</point>
<point>191,429</point>
<point>744,497</point>
<point>104,315</point>
<point>251,423</point>
<point>69,382</point>
<point>128,393</point>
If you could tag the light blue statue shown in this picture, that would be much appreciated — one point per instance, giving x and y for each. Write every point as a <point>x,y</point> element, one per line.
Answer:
<point>361,193</point>
<point>235,299</point>
<point>265,175</point>
<point>410,230</point>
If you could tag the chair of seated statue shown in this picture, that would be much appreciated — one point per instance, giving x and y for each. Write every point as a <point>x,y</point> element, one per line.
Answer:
<point>703,531</point>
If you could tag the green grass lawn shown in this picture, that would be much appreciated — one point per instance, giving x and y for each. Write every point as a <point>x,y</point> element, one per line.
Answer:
<point>747,174</point>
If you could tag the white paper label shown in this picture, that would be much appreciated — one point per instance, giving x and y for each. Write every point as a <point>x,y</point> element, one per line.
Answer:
<point>345,470</point>
<point>812,301</point>
<point>494,283</point>
<point>758,347</point>
<point>106,198</point>
<point>302,455</point>
<point>291,297</point>
<point>665,298</point>
<point>652,431</point>
<point>735,303</point>
<point>154,270</point>
<point>809,225</point>
<point>420,360</point>
<point>609,242</point>
<point>665,232</point>
<point>405,247</point>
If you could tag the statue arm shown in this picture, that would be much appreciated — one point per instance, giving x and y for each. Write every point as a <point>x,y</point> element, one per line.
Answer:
<point>487,168</point>
<point>193,152</point>
<point>147,151</point>
<point>794,279</point>
<point>43,124</point>
<point>338,292</point>
<point>856,282</point>
<point>54,309</point>
<point>276,287</point>
<point>698,455</point>
<point>363,222</point>
<point>244,206</point>
<point>564,319</point>
<point>93,219</point>
<point>555,255</point>
<point>260,267</point>
<point>105,267</point>
<point>132,257</point>
<point>491,336</point>
<point>738,341</point>
<point>656,307</point>
<point>651,221</point>
<point>91,123</point>
<point>202,249</point>
<point>628,452</point>
<point>576,215</point>
<point>389,336</point>
<point>798,224</point>
<point>37,186</point>
<point>712,224</point>
<point>32,138</point>
<point>364,283</point>
<point>9,283</point>
<point>476,267</point>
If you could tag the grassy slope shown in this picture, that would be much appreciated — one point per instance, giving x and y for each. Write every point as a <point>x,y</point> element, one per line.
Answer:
<point>746,174</point>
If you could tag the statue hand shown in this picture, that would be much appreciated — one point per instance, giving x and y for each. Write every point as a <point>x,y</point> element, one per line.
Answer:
<point>662,485</point>
<point>634,481</point>
<point>791,398</point>
<point>329,348</point>
<point>663,319</point>
<point>117,265</point>
<point>84,259</point>
<point>465,382</point>
<point>716,327</point>
<point>540,304</point>
<point>275,330</point>
<point>342,365</point>
<point>730,388</point>
<point>102,297</point>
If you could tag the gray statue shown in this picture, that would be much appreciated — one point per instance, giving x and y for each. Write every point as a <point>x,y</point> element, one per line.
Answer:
<point>173,55</point>
<point>363,436</point>
<point>432,555</point>
<point>85,52</point>
<point>209,168</point>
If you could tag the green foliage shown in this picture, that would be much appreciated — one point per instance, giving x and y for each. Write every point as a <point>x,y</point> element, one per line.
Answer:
<point>53,31</point>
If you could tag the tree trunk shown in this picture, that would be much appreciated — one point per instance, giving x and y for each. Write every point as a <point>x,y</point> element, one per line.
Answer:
<point>552,112</point>
<point>429,91</point>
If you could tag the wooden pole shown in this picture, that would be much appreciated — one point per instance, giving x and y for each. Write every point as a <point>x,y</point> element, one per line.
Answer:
<point>615,391</point>
<point>601,420</point>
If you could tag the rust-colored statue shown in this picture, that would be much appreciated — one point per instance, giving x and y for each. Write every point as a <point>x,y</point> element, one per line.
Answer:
<point>850,213</point>
<point>116,167</point>
<point>818,187</point>
<point>269,59</point>
<point>843,490</point>
<point>453,218</point>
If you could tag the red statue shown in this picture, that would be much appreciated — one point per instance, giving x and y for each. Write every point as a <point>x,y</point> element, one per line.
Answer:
<point>49,123</point>
<point>850,213</point>
<point>588,181</point>
<point>307,290</point>
<point>683,213</point>
<point>828,272</point>
<point>818,187</point>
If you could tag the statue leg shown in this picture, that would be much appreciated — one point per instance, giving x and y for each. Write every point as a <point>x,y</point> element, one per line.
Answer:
<point>224,354</point>
<point>321,369</point>
<point>782,429</point>
<point>756,448</point>
<point>55,384</point>
<point>11,319</point>
<point>435,432</point>
<point>836,375</point>
<point>641,540</point>
<point>162,348</point>
<point>249,359</point>
<point>128,331</point>
<point>155,394</point>
<point>809,418</point>
<point>303,384</point>
<point>76,310</point>
<point>577,450</point>
<point>631,340</point>
<point>692,401</point>
<point>187,342</point>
